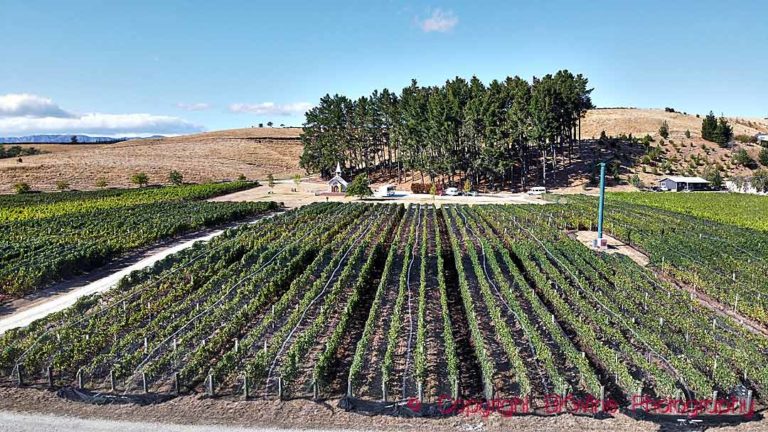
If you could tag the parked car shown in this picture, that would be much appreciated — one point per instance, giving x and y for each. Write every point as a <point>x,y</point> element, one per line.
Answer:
<point>452,191</point>
<point>538,190</point>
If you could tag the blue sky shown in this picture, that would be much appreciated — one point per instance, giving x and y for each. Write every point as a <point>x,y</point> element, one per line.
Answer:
<point>172,66</point>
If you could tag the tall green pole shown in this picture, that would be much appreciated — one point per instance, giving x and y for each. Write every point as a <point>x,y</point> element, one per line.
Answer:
<point>602,204</point>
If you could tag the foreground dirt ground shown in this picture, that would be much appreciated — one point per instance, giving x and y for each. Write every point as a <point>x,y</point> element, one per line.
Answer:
<point>300,414</point>
<point>31,406</point>
<point>307,193</point>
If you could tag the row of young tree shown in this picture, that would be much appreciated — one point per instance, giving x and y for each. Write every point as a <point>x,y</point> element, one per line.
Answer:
<point>502,134</point>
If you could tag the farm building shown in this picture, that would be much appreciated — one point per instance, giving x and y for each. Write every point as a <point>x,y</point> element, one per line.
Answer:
<point>679,183</point>
<point>762,138</point>
<point>337,184</point>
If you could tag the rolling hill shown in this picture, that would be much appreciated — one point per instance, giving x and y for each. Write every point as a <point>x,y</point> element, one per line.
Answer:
<point>256,152</point>
<point>212,156</point>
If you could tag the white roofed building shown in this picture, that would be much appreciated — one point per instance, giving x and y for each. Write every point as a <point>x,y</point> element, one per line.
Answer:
<point>337,184</point>
<point>680,183</point>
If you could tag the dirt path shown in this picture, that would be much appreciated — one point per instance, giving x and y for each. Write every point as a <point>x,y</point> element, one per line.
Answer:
<point>614,246</point>
<point>283,192</point>
<point>34,410</point>
<point>10,421</point>
<point>22,312</point>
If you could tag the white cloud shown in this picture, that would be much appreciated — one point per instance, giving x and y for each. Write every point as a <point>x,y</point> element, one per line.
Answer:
<point>271,108</point>
<point>200,106</point>
<point>24,114</point>
<point>28,105</point>
<point>439,21</point>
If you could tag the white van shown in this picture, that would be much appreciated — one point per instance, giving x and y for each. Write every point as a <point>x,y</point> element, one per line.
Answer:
<point>452,191</point>
<point>386,191</point>
<point>538,190</point>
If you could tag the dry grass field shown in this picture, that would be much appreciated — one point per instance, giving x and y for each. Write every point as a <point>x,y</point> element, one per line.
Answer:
<point>257,152</point>
<point>220,155</point>
<point>638,122</point>
<point>687,156</point>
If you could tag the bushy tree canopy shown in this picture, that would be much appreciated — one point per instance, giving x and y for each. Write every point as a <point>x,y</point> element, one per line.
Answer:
<point>480,131</point>
<point>359,187</point>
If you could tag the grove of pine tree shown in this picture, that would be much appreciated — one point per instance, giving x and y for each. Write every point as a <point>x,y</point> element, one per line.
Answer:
<point>716,130</point>
<point>505,133</point>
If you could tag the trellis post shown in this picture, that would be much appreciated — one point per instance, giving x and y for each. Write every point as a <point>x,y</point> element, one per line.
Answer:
<point>177,383</point>
<point>384,391</point>
<point>19,378</point>
<point>210,385</point>
<point>49,374</point>
<point>80,378</point>
<point>602,398</point>
<point>144,382</point>
<point>112,381</point>
<point>246,390</point>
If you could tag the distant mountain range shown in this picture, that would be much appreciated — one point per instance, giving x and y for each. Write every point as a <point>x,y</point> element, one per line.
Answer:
<point>62,139</point>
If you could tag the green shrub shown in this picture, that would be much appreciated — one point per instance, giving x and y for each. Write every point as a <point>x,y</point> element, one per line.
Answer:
<point>141,179</point>
<point>175,178</point>
<point>664,129</point>
<point>22,188</point>
<point>62,185</point>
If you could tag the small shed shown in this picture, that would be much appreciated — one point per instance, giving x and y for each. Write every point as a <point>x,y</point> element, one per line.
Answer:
<point>679,183</point>
<point>337,184</point>
<point>762,138</point>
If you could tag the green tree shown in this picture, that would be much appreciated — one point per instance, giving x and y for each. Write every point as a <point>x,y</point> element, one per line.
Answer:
<point>741,157</point>
<point>467,186</point>
<point>723,132</point>
<point>269,123</point>
<point>62,185</point>
<point>22,188</point>
<point>101,183</point>
<point>504,132</point>
<point>242,178</point>
<point>297,181</point>
<point>615,170</point>
<point>175,178</point>
<point>763,156</point>
<point>141,179</point>
<point>664,129</point>
<point>708,127</point>
<point>713,176</point>
<point>270,181</point>
<point>73,140</point>
<point>359,187</point>
<point>688,133</point>
<point>759,180</point>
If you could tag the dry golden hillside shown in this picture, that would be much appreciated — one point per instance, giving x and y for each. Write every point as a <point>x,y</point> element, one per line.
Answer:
<point>685,156</point>
<point>257,152</point>
<point>219,155</point>
<point>638,122</point>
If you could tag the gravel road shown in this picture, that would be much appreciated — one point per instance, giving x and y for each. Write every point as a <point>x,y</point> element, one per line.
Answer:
<point>10,421</point>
